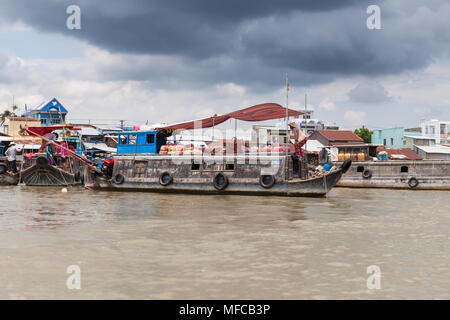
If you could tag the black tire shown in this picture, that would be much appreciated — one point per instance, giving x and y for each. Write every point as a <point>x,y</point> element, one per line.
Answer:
<point>346,165</point>
<point>413,182</point>
<point>3,168</point>
<point>119,179</point>
<point>267,181</point>
<point>220,181</point>
<point>42,161</point>
<point>367,174</point>
<point>165,179</point>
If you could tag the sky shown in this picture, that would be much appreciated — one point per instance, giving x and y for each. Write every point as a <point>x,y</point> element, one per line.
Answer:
<point>169,61</point>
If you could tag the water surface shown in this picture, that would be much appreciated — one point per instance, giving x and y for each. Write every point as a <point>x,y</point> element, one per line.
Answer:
<point>163,246</point>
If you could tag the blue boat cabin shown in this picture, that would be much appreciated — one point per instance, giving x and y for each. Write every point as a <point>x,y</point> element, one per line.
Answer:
<point>140,142</point>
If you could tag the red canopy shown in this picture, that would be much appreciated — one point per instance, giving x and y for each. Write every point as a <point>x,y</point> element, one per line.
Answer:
<point>40,131</point>
<point>260,112</point>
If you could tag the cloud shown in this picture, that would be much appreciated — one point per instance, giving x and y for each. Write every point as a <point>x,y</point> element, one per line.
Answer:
<point>355,119</point>
<point>327,105</point>
<point>253,42</point>
<point>369,92</point>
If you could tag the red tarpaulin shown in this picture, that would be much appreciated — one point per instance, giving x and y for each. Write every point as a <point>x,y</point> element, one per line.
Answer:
<point>260,112</point>
<point>40,131</point>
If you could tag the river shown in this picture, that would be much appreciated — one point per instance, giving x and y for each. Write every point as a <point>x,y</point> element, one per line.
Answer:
<point>163,246</point>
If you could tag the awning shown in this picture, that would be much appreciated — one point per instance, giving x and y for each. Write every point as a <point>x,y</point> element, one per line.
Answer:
<point>3,138</point>
<point>99,146</point>
<point>260,112</point>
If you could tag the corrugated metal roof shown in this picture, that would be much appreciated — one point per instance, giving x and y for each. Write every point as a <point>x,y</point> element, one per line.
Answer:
<point>435,149</point>
<point>340,135</point>
<point>403,154</point>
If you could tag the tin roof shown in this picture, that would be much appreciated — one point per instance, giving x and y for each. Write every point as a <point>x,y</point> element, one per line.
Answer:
<point>340,135</point>
<point>403,154</point>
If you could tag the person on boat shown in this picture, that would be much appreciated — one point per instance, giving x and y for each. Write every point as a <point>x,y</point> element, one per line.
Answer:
<point>50,152</point>
<point>64,155</point>
<point>300,139</point>
<point>11,157</point>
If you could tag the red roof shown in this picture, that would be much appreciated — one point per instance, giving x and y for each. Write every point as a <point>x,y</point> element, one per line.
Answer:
<point>356,144</point>
<point>407,154</point>
<point>340,135</point>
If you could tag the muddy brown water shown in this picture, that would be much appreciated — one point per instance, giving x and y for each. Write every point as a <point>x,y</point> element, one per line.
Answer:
<point>163,246</point>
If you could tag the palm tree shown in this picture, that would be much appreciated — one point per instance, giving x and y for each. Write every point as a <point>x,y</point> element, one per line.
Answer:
<point>7,113</point>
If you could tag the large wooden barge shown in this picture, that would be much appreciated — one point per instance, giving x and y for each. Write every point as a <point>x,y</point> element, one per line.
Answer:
<point>240,174</point>
<point>398,174</point>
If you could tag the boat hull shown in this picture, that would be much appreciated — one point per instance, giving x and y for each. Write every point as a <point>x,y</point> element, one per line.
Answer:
<point>203,182</point>
<point>430,175</point>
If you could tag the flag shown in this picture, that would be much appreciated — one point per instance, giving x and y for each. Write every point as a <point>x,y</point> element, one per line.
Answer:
<point>287,85</point>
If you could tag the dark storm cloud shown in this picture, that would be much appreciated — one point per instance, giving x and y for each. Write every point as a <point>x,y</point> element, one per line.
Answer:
<point>315,41</point>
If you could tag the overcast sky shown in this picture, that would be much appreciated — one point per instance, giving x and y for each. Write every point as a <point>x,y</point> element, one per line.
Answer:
<point>175,60</point>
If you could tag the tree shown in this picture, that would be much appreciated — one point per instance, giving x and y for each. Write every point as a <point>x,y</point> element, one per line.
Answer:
<point>364,134</point>
<point>7,113</point>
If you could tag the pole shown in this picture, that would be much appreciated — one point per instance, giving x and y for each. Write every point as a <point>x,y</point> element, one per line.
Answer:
<point>287,130</point>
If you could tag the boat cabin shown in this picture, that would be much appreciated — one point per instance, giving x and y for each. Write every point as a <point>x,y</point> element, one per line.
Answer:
<point>141,141</point>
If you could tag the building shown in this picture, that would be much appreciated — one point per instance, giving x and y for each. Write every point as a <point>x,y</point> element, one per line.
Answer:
<point>345,141</point>
<point>409,141</point>
<point>13,125</point>
<point>50,113</point>
<point>438,130</point>
<point>437,152</point>
<point>265,135</point>
<point>307,123</point>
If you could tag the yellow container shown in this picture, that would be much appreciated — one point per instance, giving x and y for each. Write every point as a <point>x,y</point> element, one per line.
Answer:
<point>361,156</point>
<point>348,156</point>
<point>341,156</point>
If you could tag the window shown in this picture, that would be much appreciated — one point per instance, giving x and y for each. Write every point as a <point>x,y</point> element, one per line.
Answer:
<point>132,139</point>
<point>384,141</point>
<point>392,141</point>
<point>442,128</point>
<point>360,169</point>
<point>404,169</point>
<point>43,121</point>
<point>123,140</point>
<point>150,138</point>
<point>195,166</point>
<point>229,166</point>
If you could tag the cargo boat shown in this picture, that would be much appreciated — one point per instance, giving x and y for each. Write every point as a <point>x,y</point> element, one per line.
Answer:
<point>398,174</point>
<point>252,174</point>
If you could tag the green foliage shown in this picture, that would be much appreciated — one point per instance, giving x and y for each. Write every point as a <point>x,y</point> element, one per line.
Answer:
<point>364,134</point>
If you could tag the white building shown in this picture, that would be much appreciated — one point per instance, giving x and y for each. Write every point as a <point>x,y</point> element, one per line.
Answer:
<point>437,130</point>
<point>433,153</point>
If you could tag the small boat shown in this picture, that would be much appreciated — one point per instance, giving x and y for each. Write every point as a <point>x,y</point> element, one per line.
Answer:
<point>7,179</point>
<point>41,173</point>
<point>37,171</point>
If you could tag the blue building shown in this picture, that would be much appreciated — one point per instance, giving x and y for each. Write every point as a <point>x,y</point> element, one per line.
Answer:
<point>50,113</point>
<point>393,137</point>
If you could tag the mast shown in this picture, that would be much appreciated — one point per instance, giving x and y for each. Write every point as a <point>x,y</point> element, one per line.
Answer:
<point>287,130</point>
